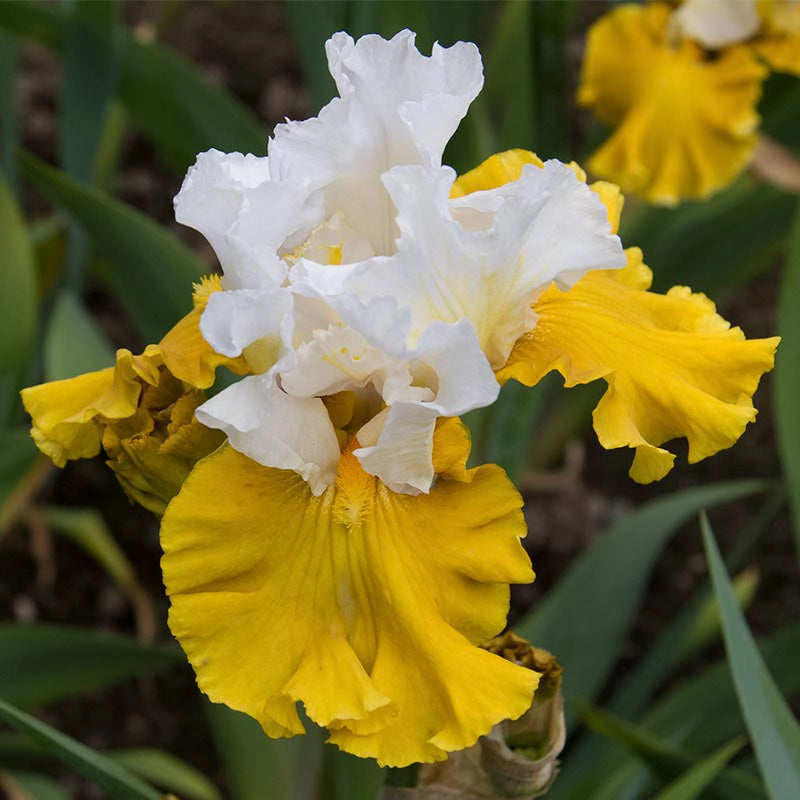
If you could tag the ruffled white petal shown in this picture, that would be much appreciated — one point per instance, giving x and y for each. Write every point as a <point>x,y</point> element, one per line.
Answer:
<point>276,429</point>
<point>464,378</point>
<point>403,455</point>
<point>245,215</point>
<point>237,318</point>
<point>398,443</point>
<point>396,107</point>
<point>547,226</point>
<point>339,358</point>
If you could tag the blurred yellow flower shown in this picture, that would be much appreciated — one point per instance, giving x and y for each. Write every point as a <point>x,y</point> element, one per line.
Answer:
<point>679,87</point>
<point>140,411</point>
<point>779,40</point>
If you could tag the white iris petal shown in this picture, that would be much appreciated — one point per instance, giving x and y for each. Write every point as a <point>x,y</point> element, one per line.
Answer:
<point>396,107</point>
<point>276,429</point>
<point>245,215</point>
<point>348,268</point>
<point>547,226</point>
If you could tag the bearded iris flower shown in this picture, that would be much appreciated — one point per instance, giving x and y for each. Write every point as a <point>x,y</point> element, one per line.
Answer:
<point>335,550</point>
<point>679,86</point>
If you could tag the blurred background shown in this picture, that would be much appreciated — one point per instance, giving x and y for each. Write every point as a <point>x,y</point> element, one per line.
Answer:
<point>103,107</point>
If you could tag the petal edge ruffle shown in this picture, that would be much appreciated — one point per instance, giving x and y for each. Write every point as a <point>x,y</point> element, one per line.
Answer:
<point>674,367</point>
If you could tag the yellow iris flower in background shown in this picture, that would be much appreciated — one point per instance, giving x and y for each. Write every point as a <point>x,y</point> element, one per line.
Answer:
<point>679,87</point>
<point>335,550</point>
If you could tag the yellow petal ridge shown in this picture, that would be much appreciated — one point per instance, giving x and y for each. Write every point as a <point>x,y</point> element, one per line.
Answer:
<point>363,604</point>
<point>684,125</point>
<point>674,367</point>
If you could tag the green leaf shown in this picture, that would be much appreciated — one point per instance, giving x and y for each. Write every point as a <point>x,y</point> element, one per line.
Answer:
<point>787,376</point>
<point>35,786</point>
<point>9,135</point>
<point>169,99</point>
<point>691,785</point>
<point>511,75</point>
<point>566,419</point>
<point>695,627</point>
<point>90,76</point>
<point>18,290</point>
<point>260,768</point>
<point>313,21</point>
<point>18,457</point>
<point>586,618</point>
<point>165,770</point>
<point>40,664</point>
<point>34,20</point>
<point>590,757</point>
<point>709,245</point>
<point>149,269</point>
<point>700,714</point>
<point>73,343</point>
<point>510,425</point>
<point>779,109</point>
<point>704,710</point>
<point>179,111</point>
<point>664,758</point>
<point>526,77</point>
<point>347,777</point>
<point>18,751</point>
<point>87,528</point>
<point>112,778</point>
<point>773,730</point>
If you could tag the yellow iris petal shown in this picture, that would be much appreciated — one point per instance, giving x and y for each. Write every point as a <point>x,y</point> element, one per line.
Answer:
<point>782,53</point>
<point>505,167</point>
<point>187,355</point>
<point>674,367</point>
<point>684,124</point>
<point>495,171</point>
<point>779,42</point>
<point>64,412</point>
<point>141,410</point>
<point>361,603</point>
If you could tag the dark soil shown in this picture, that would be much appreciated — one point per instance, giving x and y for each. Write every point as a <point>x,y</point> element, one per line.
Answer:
<point>247,48</point>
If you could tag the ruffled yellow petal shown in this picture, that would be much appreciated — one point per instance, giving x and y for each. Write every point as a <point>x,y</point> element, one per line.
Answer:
<point>495,171</point>
<point>363,604</point>
<point>684,124</point>
<point>65,412</point>
<point>140,411</point>
<point>136,410</point>
<point>505,167</point>
<point>674,367</point>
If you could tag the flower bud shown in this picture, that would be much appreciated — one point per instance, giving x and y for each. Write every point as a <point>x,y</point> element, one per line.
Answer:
<point>517,758</point>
